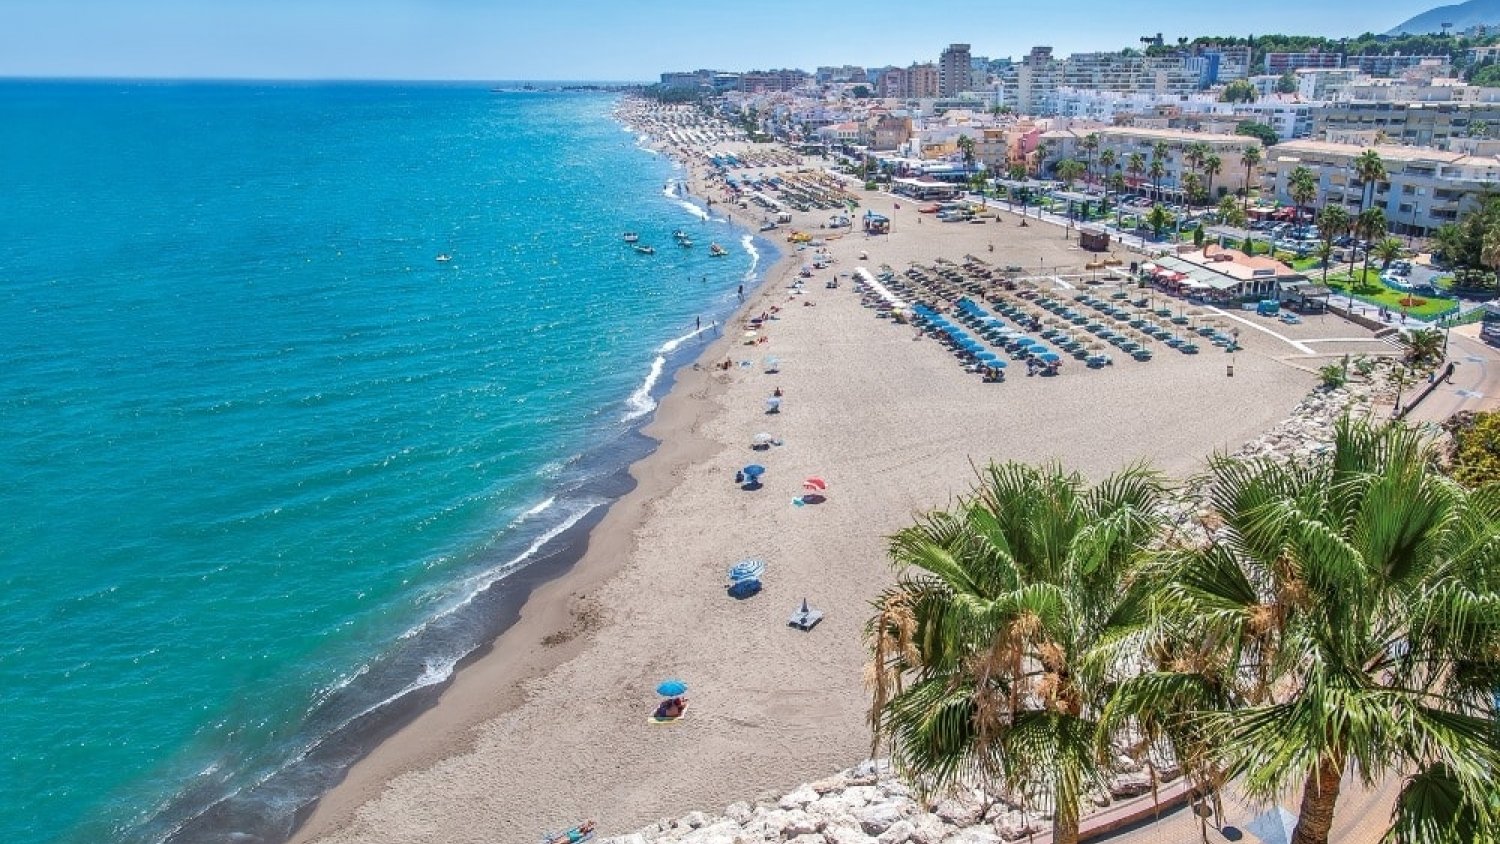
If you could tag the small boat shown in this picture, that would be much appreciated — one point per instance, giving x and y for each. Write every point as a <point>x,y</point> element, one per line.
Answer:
<point>679,235</point>
<point>631,237</point>
<point>444,258</point>
<point>645,250</point>
<point>717,251</point>
<point>684,242</point>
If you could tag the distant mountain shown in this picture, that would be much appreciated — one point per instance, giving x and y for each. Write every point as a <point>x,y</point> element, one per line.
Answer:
<point>1461,15</point>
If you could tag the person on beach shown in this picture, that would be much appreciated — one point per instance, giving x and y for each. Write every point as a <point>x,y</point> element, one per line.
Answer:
<point>742,292</point>
<point>699,321</point>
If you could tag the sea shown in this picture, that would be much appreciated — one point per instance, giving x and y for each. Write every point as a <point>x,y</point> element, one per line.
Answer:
<point>304,387</point>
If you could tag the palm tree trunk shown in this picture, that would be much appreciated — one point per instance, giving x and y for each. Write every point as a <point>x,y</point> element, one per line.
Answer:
<point>1065,824</point>
<point>1318,799</point>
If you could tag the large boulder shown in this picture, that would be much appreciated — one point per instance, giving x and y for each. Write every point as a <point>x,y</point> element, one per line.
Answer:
<point>846,835</point>
<point>878,817</point>
<point>833,783</point>
<point>798,822</point>
<point>798,798</point>
<point>899,832</point>
<point>739,812</point>
<point>928,829</point>
<point>1130,785</point>
<point>1014,826</point>
<point>973,835</point>
<point>958,811</point>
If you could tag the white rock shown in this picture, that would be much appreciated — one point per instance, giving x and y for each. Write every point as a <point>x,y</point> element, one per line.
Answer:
<point>973,835</point>
<point>798,798</point>
<point>878,817</point>
<point>799,822</point>
<point>632,838</point>
<point>928,829</point>
<point>833,783</point>
<point>1013,827</point>
<point>807,839</point>
<point>957,812</point>
<point>846,835</point>
<point>899,832</point>
<point>695,819</point>
<point>1130,785</point>
<point>860,795</point>
<point>739,812</point>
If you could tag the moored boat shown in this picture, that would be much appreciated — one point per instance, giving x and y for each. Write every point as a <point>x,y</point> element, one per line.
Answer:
<point>645,250</point>
<point>717,251</point>
<point>684,242</point>
<point>631,237</point>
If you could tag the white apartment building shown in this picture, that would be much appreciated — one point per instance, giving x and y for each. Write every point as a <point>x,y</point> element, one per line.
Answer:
<point>1424,187</point>
<point>1125,140</point>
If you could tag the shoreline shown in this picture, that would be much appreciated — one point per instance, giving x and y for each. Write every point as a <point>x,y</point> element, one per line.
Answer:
<point>532,736</point>
<point>554,614</point>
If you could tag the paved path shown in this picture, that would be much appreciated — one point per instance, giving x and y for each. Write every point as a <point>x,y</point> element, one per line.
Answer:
<point>1296,344</point>
<point>1475,384</point>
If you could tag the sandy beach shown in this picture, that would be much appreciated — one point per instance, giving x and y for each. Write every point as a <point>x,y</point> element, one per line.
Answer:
<point>550,726</point>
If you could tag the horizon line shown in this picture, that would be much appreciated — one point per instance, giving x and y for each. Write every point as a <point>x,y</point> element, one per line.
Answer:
<point>312,80</point>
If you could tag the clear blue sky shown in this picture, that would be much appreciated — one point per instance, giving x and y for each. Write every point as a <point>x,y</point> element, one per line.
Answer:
<point>603,39</point>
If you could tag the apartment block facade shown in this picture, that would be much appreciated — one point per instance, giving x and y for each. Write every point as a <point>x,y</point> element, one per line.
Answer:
<point>1424,187</point>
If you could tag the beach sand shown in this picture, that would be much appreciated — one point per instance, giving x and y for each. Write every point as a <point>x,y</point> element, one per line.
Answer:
<point>550,726</point>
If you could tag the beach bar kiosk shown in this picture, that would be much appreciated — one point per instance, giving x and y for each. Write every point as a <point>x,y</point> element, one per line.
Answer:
<point>1093,238</point>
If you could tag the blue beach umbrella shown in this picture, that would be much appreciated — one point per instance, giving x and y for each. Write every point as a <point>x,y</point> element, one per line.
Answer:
<point>747,569</point>
<point>1049,357</point>
<point>671,688</point>
<point>754,470</point>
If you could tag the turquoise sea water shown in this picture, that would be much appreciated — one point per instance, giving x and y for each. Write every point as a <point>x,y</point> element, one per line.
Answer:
<point>261,449</point>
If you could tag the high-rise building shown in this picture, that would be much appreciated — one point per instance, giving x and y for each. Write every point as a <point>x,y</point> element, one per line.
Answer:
<point>953,70</point>
<point>923,81</point>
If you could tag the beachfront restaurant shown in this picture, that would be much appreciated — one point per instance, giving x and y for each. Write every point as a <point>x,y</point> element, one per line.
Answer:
<point>923,189</point>
<point>1222,275</point>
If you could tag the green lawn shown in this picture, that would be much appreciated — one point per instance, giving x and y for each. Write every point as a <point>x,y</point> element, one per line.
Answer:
<point>1376,292</point>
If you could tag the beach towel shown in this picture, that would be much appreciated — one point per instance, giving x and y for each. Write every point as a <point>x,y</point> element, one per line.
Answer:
<point>658,719</point>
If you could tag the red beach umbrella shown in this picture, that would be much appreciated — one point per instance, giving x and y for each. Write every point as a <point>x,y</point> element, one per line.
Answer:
<point>815,485</point>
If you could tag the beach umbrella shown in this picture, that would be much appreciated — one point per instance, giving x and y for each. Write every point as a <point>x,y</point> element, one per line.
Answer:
<point>1049,357</point>
<point>747,569</point>
<point>754,470</point>
<point>763,438</point>
<point>815,485</point>
<point>671,688</point>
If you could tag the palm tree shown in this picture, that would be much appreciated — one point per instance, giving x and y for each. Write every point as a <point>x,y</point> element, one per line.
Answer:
<point>1107,159</point>
<point>1370,224</point>
<point>1192,184</point>
<point>1348,615</point>
<point>1424,347</point>
<point>1212,166</point>
<point>1069,169</point>
<point>1090,145</point>
<point>1231,214</point>
<point>1135,165</point>
<point>1388,250</point>
<point>1370,169</point>
<point>966,148</point>
<point>1157,171</point>
<point>987,663</point>
<point>1302,187</point>
<point>1250,158</point>
<point>1333,221</point>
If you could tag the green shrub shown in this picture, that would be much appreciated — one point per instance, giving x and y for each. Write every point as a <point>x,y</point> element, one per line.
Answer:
<point>1476,448</point>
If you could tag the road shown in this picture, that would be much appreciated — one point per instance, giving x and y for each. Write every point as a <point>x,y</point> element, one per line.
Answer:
<point>1475,384</point>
